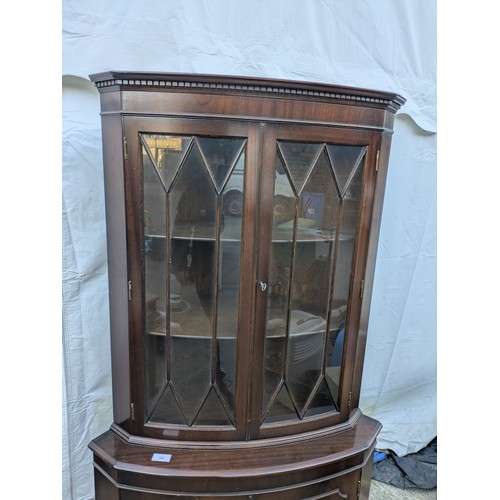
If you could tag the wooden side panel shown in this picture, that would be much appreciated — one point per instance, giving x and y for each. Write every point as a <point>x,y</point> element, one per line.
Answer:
<point>117,264</point>
<point>376,216</point>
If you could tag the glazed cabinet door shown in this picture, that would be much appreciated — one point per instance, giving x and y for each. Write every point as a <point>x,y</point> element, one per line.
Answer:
<point>247,242</point>
<point>191,190</point>
<point>316,197</point>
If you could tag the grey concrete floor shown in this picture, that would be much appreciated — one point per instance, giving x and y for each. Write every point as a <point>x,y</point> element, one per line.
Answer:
<point>383,491</point>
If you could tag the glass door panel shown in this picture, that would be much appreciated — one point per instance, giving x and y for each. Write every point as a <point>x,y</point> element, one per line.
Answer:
<point>281,256</point>
<point>349,181</point>
<point>228,291</point>
<point>318,211</point>
<point>155,269</point>
<point>193,275</point>
<point>316,204</point>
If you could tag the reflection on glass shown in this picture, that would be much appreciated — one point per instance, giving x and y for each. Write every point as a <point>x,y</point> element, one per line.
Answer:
<point>191,370</point>
<point>343,268</point>
<point>220,155</point>
<point>279,283</point>
<point>191,367</point>
<point>155,273</point>
<point>299,158</point>
<point>315,217</point>
<point>229,281</point>
<point>167,153</point>
<point>311,283</point>
<point>345,161</point>
<point>194,217</point>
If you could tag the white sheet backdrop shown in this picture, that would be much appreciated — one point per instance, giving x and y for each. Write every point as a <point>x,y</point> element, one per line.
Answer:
<point>386,45</point>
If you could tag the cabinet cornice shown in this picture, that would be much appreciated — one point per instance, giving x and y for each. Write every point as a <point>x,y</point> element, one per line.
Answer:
<point>246,85</point>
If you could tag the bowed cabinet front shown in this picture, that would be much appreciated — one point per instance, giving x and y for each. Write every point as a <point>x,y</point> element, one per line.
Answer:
<point>242,218</point>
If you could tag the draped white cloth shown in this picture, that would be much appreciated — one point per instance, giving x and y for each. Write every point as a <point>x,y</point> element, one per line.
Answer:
<point>385,45</point>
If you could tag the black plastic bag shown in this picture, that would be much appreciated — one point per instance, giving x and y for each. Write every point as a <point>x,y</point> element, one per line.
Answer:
<point>415,470</point>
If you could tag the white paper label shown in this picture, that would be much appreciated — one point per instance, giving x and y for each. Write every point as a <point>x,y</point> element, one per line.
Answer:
<point>161,457</point>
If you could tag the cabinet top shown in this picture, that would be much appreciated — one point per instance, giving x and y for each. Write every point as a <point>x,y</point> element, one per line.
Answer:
<point>144,81</point>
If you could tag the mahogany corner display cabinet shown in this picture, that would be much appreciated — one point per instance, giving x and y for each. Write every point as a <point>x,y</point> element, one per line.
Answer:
<point>242,225</point>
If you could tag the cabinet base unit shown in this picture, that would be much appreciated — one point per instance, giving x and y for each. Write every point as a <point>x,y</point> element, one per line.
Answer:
<point>330,463</point>
<point>242,226</point>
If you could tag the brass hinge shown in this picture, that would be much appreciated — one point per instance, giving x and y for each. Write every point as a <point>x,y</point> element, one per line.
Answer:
<point>362,289</point>
<point>377,160</point>
<point>358,492</point>
<point>349,400</point>
<point>132,411</point>
<point>125,149</point>
<point>129,290</point>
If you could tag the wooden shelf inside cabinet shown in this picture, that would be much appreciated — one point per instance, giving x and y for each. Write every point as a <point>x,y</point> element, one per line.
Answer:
<point>279,236</point>
<point>242,217</point>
